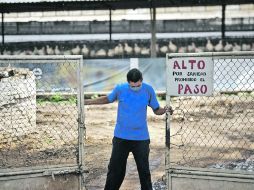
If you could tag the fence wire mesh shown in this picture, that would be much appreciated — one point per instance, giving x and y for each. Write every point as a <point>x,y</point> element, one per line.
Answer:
<point>217,131</point>
<point>38,112</point>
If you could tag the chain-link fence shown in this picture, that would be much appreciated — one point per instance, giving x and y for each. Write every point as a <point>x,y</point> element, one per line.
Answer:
<point>217,131</point>
<point>40,111</point>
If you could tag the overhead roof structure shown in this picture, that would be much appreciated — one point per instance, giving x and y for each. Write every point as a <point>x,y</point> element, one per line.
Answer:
<point>7,6</point>
<point>11,6</point>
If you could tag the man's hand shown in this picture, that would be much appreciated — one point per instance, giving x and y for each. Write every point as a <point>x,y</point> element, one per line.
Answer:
<point>168,109</point>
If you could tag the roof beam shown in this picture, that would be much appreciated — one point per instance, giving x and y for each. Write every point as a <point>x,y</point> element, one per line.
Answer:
<point>110,4</point>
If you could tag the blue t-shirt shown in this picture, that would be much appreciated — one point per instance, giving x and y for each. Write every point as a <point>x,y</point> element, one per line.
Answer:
<point>131,121</point>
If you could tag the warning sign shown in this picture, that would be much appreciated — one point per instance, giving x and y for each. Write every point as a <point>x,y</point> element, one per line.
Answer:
<point>190,76</point>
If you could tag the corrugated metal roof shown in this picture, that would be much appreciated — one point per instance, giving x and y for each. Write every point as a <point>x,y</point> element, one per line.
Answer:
<point>179,2</point>
<point>7,6</point>
<point>40,1</point>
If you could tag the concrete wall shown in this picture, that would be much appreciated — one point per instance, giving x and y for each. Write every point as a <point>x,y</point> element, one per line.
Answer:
<point>59,182</point>
<point>126,26</point>
<point>209,181</point>
<point>167,13</point>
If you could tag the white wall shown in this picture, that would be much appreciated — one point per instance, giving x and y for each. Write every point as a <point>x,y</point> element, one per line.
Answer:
<point>174,13</point>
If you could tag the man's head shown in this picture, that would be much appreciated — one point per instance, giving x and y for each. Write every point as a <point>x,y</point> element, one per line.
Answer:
<point>135,78</point>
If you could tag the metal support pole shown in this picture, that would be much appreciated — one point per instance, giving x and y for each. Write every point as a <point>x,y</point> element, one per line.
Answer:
<point>2,49</point>
<point>81,123</point>
<point>223,23</point>
<point>167,143</point>
<point>167,133</point>
<point>153,31</point>
<point>110,25</point>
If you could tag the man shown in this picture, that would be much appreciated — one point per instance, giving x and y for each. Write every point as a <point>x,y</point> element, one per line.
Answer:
<point>131,131</point>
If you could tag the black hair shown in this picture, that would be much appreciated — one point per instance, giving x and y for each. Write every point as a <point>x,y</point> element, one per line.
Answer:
<point>134,75</point>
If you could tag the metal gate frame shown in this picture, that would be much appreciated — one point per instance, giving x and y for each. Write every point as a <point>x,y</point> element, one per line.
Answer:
<point>63,169</point>
<point>183,178</point>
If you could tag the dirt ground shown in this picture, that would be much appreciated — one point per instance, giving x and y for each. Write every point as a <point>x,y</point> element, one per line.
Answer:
<point>204,132</point>
<point>100,122</point>
<point>55,142</point>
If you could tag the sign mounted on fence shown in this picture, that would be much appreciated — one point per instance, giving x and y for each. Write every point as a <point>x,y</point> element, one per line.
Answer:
<point>189,76</point>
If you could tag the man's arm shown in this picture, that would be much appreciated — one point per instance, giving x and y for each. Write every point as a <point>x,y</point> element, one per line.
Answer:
<point>161,111</point>
<point>97,101</point>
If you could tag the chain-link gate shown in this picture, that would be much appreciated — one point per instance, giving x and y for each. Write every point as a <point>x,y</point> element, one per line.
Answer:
<point>210,139</point>
<point>41,118</point>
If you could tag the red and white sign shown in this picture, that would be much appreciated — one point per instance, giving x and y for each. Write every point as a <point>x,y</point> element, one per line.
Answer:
<point>190,76</point>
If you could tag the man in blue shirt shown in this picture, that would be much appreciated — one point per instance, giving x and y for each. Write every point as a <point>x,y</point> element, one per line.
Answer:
<point>131,131</point>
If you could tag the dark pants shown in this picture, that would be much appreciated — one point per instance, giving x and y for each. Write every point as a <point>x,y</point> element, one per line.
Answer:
<point>118,161</point>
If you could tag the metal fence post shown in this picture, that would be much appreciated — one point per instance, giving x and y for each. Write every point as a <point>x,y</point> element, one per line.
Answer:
<point>81,122</point>
<point>167,137</point>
